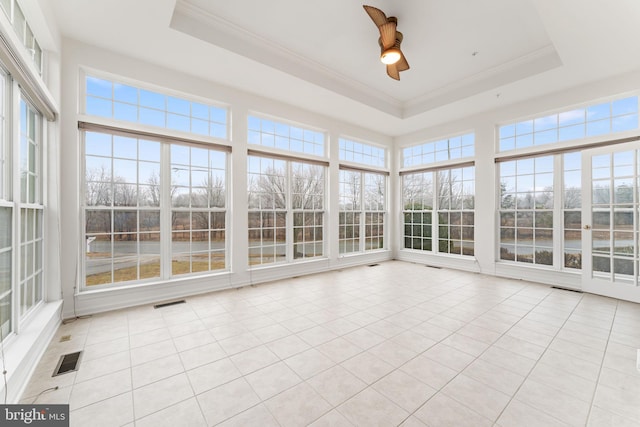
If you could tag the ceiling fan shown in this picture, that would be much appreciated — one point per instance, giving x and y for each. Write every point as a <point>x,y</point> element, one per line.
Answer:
<point>389,42</point>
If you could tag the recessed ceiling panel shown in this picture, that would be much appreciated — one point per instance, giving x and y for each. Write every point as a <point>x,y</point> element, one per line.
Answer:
<point>445,42</point>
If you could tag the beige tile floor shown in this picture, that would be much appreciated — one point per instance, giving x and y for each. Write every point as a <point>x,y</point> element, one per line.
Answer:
<point>395,344</point>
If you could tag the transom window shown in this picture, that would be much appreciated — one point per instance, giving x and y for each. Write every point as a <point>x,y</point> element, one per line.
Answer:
<point>360,152</point>
<point>115,100</point>
<point>453,148</point>
<point>599,119</point>
<point>14,13</point>
<point>284,136</point>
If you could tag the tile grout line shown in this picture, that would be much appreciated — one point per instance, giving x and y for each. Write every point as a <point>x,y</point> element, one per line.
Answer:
<point>484,351</point>
<point>604,355</point>
<point>538,360</point>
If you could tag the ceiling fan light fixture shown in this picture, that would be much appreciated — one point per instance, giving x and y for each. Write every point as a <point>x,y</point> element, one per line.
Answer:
<point>390,56</point>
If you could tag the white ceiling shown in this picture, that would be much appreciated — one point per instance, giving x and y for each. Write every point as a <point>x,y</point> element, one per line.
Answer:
<point>323,56</point>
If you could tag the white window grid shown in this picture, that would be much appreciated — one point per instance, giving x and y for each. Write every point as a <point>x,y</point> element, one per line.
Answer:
<point>374,203</point>
<point>31,263</point>
<point>307,199</point>
<point>363,153</point>
<point>116,100</point>
<point>122,209</point>
<point>267,182</point>
<point>593,120</point>
<point>453,148</point>
<point>350,211</point>
<point>456,204</point>
<point>362,211</point>
<point>198,214</point>
<point>417,210</point>
<point>14,13</point>
<point>6,252</point>
<point>286,210</point>
<point>5,165</point>
<point>572,210</point>
<point>31,209</point>
<point>526,209</point>
<point>30,155</point>
<point>284,136</point>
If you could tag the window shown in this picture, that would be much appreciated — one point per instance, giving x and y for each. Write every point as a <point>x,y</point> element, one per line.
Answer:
<point>122,208</point>
<point>453,148</point>
<point>451,193</point>
<point>362,211</point>
<point>359,152</point>
<point>105,98</point>
<point>283,136</point>
<point>614,116</point>
<point>456,189</point>
<point>572,210</point>
<point>31,208</point>
<point>526,210</point>
<point>198,217</point>
<point>417,207</point>
<point>125,185</point>
<point>286,210</point>
<point>21,207</point>
<point>129,180</point>
<point>14,13</point>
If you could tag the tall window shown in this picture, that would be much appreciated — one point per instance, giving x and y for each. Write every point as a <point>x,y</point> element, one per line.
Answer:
<point>198,200</point>
<point>572,210</point>
<point>122,213</point>
<point>417,207</point>
<point>456,202</point>
<point>526,210</point>
<point>362,211</point>
<point>125,185</point>
<point>31,208</point>
<point>6,220</point>
<point>451,194</point>
<point>130,180</point>
<point>286,210</point>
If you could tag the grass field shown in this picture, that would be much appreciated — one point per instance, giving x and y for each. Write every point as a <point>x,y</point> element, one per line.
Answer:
<point>151,270</point>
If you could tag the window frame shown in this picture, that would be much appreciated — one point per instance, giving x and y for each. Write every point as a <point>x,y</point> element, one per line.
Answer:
<point>362,212</point>
<point>435,210</point>
<point>287,210</point>
<point>164,208</point>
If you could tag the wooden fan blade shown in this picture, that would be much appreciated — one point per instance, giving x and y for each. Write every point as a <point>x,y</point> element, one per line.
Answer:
<point>378,16</point>
<point>402,64</point>
<point>388,34</point>
<point>393,72</point>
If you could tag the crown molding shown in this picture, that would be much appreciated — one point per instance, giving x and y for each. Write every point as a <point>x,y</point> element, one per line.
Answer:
<point>197,22</point>
<point>202,24</point>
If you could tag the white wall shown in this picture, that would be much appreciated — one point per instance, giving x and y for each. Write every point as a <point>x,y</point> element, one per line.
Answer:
<point>77,56</point>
